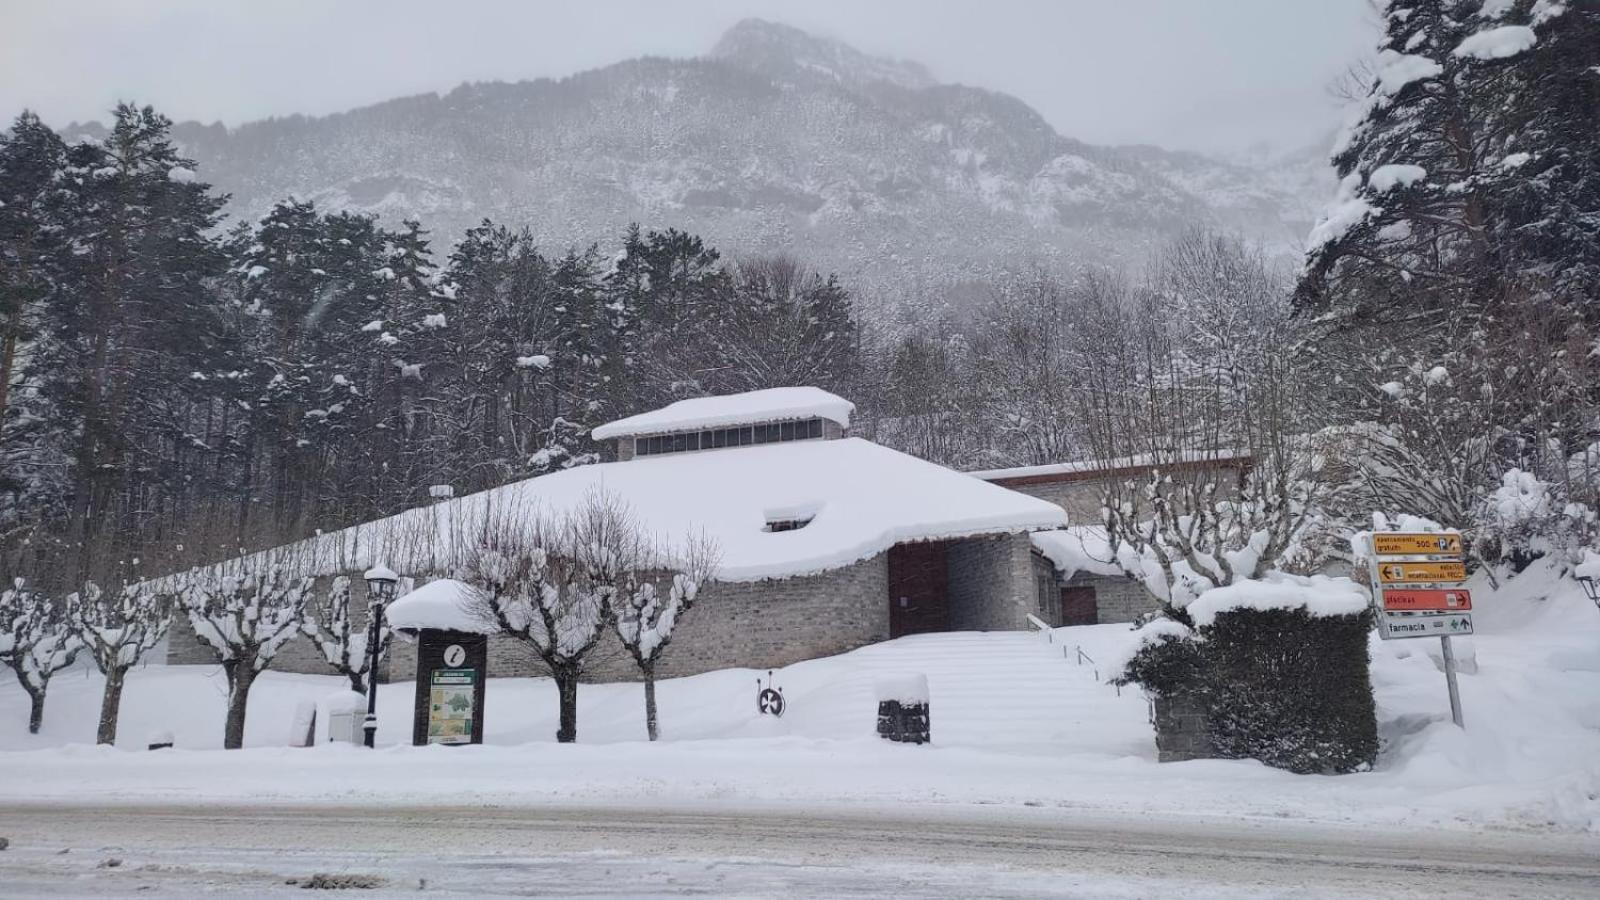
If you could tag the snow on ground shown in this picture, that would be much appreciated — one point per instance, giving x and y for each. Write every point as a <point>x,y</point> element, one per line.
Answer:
<point>1017,721</point>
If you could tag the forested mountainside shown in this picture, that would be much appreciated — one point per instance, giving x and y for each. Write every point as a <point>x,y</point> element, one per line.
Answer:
<point>776,140</point>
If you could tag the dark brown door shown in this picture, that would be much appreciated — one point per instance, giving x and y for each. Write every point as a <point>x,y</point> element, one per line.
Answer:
<point>1079,607</point>
<point>918,578</point>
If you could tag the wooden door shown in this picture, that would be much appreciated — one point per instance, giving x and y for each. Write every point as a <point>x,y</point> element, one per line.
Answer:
<point>918,583</point>
<point>1079,607</point>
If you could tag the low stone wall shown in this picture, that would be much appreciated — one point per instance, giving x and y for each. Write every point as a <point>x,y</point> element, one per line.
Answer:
<point>759,625</point>
<point>1182,732</point>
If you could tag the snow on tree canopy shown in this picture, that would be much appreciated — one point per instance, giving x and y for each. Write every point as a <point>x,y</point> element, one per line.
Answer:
<point>445,604</point>
<point>1386,178</point>
<point>1348,211</point>
<point>1497,43</point>
<point>1320,595</point>
<point>1396,70</point>
<point>750,408</point>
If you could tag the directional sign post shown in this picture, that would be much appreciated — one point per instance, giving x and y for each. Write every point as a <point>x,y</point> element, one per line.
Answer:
<point>1413,578</point>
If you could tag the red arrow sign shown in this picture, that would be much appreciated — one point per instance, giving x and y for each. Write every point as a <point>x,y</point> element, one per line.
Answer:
<point>1401,600</point>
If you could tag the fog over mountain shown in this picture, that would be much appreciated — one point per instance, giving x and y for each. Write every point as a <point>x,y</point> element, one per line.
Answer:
<point>773,140</point>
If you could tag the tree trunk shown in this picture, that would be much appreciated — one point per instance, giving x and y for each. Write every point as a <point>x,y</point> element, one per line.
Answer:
<point>357,683</point>
<point>35,708</point>
<point>567,684</point>
<point>649,670</point>
<point>243,676</point>
<point>8,355</point>
<point>110,705</point>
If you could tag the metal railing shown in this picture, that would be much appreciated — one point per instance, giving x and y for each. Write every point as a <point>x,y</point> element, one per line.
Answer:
<point>1082,657</point>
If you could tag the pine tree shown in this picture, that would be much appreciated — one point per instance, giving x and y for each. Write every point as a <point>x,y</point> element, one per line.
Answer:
<point>32,157</point>
<point>133,319</point>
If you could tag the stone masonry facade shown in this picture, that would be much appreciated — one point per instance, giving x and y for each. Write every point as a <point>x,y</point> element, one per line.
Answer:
<point>1117,598</point>
<point>1183,731</point>
<point>759,625</point>
<point>992,585</point>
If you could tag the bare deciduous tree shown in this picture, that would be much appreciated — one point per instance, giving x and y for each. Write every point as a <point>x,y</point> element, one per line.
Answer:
<point>36,642</point>
<point>245,609</point>
<point>1190,379</point>
<point>656,597</point>
<point>551,582</point>
<point>117,627</point>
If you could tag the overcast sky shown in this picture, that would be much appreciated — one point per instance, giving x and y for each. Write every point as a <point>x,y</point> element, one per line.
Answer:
<point>1202,74</point>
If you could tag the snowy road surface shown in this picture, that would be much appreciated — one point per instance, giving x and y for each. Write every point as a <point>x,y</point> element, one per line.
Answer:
<point>67,851</point>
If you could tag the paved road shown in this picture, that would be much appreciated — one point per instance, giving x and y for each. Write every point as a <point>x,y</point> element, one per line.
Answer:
<point>780,852</point>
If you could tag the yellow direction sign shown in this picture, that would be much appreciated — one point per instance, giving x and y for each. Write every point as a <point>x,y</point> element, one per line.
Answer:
<point>1422,544</point>
<point>1421,572</point>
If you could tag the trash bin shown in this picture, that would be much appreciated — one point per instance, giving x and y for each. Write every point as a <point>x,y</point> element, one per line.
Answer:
<point>903,708</point>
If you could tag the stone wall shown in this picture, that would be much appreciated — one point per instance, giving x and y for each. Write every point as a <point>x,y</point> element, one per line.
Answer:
<point>1181,729</point>
<point>991,586</point>
<point>1081,499</point>
<point>300,653</point>
<point>1117,599</point>
<point>759,625</point>
<point>1047,589</point>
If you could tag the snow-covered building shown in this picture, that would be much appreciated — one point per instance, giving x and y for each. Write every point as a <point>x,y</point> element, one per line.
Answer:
<point>825,542</point>
<point>1092,587</point>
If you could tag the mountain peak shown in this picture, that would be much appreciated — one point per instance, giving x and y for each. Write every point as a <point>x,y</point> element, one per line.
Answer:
<point>777,49</point>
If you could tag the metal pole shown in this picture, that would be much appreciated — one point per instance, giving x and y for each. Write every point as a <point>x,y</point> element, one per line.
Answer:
<point>370,725</point>
<point>1450,679</point>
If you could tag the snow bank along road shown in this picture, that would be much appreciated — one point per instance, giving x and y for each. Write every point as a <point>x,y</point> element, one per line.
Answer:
<point>777,851</point>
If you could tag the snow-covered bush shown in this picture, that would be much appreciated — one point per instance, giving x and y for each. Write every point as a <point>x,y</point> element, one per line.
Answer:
<point>35,643</point>
<point>1164,659</point>
<point>117,628</point>
<point>1279,665</point>
<point>245,610</point>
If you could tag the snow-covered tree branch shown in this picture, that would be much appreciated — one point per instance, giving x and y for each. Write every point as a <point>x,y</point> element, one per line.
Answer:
<point>245,609</point>
<point>117,628</point>
<point>550,583</point>
<point>36,642</point>
<point>339,638</point>
<point>654,601</point>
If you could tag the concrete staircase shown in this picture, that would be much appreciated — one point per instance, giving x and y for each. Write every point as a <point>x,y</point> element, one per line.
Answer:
<point>989,689</point>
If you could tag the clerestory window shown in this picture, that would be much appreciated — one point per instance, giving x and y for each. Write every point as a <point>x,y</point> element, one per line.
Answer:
<point>737,436</point>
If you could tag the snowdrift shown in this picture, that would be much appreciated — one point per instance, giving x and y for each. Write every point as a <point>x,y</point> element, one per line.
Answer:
<point>1017,720</point>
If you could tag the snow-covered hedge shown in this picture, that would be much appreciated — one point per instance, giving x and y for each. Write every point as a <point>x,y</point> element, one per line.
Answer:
<point>1280,665</point>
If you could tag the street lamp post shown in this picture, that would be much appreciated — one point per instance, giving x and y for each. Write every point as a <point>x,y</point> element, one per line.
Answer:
<point>381,583</point>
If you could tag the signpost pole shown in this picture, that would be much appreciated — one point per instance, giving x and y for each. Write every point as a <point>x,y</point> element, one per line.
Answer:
<point>1413,577</point>
<point>1450,679</point>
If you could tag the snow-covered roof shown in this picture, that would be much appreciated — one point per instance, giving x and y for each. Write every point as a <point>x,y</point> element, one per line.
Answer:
<point>750,408</point>
<point>445,604</point>
<point>1094,468</point>
<point>862,499</point>
<point>1083,548</point>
